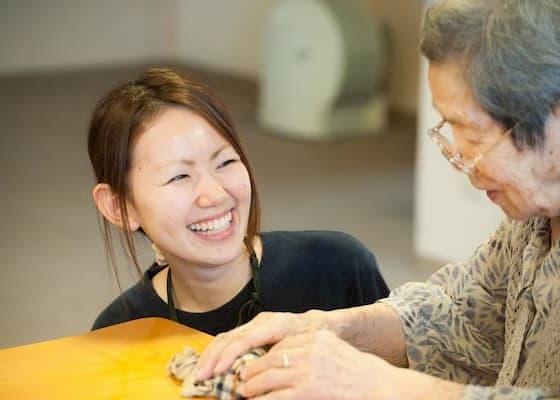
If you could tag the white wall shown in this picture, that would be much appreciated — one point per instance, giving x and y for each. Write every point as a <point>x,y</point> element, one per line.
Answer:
<point>403,18</point>
<point>233,30</point>
<point>54,34</point>
<point>223,35</point>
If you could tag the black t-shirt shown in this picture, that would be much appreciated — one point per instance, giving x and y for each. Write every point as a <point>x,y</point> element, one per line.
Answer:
<point>299,271</point>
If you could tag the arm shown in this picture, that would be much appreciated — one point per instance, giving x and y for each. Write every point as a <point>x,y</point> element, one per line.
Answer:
<point>454,323</point>
<point>322,366</point>
<point>451,326</point>
<point>472,392</point>
<point>374,328</point>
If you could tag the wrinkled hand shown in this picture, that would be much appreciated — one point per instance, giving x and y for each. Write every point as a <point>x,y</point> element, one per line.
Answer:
<point>265,329</point>
<point>319,365</point>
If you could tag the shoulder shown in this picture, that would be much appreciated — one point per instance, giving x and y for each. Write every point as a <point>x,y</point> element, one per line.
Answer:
<point>131,304</point>
<point>315,240</point>
<point>321,269</point>
<point>325,247</point>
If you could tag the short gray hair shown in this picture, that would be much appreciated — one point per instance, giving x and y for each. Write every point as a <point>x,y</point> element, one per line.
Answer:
<point>512,54</point>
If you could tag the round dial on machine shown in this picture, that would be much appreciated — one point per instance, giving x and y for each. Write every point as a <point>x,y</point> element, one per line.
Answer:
<point>323,69</point>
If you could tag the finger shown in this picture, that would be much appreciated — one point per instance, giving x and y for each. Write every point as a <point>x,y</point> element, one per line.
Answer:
<point>293,342</point>
<point>287,351</point>
<point>220,355</point>
<point>211,354</point>
<point>283,394</point>
<point>269,361</point>
<point>268,381</point>
<point>230,353</point>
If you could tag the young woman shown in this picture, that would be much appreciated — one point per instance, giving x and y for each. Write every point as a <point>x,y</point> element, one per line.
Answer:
<point>169,165</point>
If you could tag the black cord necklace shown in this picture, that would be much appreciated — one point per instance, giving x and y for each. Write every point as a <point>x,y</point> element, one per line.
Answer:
<point>248,310</point>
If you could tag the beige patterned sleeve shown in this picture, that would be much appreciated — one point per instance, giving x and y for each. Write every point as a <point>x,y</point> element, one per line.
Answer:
<point>472,392</point>
<point>454,322</point>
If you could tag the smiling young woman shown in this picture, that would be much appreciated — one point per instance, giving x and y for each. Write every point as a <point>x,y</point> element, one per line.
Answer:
<point>169,165</point>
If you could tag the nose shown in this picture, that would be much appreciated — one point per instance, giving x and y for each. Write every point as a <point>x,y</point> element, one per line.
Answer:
<point>210,192</point>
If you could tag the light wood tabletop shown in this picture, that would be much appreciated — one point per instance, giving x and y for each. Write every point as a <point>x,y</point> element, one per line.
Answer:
<point>125,361</point>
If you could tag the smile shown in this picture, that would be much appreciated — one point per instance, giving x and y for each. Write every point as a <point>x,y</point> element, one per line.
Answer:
<point>213,226</point>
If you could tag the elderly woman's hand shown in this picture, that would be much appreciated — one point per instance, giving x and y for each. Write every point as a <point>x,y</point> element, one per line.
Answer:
<point>265,329</point>
<point>319,365</point>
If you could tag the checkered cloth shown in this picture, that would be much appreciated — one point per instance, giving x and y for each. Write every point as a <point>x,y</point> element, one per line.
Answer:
<point>222,387</point>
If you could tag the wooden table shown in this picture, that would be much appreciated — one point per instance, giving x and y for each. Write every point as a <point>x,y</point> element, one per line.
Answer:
<point>125,361</point>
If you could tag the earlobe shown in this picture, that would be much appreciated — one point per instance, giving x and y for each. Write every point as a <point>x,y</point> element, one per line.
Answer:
<point>108,205</point>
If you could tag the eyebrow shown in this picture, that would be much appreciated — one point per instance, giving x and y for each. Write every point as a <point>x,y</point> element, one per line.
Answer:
<point>191,162</point>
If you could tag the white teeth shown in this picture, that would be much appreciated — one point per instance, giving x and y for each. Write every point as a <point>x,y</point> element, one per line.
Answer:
<point>211,227</point>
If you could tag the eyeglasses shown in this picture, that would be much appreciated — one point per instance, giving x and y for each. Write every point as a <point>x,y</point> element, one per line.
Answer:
<point>456,159</point>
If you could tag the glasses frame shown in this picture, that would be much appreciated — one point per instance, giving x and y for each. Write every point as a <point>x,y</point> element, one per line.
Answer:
<point>455,158</point>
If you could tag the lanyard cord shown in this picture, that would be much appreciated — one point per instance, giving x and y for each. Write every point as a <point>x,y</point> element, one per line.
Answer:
<point>248,310</point>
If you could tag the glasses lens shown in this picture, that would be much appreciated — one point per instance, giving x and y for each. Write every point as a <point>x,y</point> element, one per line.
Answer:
<point>442,141</point>
<point>457,162</point>
<point>443,138</point>
<point>446,132</point>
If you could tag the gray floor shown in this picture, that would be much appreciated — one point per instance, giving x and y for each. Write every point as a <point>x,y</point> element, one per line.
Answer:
<point>55,279</point>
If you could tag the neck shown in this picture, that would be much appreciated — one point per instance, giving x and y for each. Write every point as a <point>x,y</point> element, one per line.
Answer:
<point>204,288</point>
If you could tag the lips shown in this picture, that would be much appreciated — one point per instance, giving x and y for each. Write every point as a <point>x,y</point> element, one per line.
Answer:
<point>492,195</point>
<point>215,229</point>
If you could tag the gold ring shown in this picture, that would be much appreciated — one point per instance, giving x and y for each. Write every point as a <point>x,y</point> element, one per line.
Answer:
<point>285,360</point>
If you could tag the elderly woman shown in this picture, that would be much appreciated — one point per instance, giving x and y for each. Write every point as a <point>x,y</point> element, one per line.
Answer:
<point>486,328</point>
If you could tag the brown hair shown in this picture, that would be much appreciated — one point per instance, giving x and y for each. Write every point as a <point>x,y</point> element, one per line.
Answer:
<point>121,116</point>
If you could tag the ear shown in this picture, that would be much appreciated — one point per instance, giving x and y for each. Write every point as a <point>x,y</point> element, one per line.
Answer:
<point>108,204</point>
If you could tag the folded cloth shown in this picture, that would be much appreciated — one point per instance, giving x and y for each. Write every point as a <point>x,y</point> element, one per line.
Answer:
<point>222,387</point>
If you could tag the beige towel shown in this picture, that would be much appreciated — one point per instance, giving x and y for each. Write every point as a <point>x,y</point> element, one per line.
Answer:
<point>222,387</point>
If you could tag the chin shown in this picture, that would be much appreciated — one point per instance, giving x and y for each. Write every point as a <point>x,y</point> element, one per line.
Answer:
<point>218,262</point>
<point>218,257</point>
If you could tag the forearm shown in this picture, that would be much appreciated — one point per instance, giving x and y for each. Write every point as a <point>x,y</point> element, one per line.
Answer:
<point>373,328</point>
<point>473,392</point>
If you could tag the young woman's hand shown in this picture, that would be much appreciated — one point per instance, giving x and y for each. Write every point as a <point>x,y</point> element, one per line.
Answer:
<point>319,365</point>
<point>265,329</point>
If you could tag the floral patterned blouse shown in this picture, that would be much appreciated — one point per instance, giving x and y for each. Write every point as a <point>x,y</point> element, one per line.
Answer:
<point>492,322</point>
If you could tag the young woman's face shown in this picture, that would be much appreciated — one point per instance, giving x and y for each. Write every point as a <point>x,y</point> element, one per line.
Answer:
<point>190,192</point>
<point>523,183</point>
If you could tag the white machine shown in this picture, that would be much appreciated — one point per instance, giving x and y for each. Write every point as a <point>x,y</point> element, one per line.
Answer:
<point>324,72</point>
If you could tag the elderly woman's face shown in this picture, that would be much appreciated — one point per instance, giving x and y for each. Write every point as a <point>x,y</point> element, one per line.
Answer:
<point>523,183</point>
